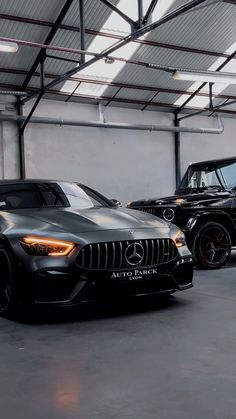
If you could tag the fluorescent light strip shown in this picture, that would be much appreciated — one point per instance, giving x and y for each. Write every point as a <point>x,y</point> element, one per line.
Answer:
<point>115,25</point>
<point>208,77</point>
<point>8,46</point>
<point>201,101</point>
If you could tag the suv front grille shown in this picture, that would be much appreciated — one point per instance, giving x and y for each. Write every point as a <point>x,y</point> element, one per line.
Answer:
<point>149,210</point>
<point>111,255</point>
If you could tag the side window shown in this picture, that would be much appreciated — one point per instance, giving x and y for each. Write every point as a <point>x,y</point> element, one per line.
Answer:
<point>96,199</point>
<point>203,178</point>
<point>228,173</point>
<point>18,197</point>
<point>52,195</point>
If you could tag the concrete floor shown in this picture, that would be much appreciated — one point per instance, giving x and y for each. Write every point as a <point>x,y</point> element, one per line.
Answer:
<point>148,360</point>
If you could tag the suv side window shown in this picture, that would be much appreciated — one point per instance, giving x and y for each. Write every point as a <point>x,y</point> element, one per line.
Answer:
<point>228,173</point>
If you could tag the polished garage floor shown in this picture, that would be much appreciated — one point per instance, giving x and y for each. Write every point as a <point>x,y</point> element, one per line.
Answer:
<point>150,360</point>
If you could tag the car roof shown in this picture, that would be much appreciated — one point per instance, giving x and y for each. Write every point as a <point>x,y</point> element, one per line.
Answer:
<point>215,161</point>
<point>22,181</point>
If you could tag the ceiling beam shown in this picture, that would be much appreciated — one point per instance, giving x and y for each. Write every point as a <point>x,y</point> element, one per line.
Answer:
<point>205,83</point>
<point>41,56</point>
<point>125,41</point>
<point>149,12</point>
<point>135,34</point>
<point>111,99</point>
<point>97,98</point>
<point>119,12</point>
<point>78,79</point>
<point>173,47</point>
<point>140,13</point>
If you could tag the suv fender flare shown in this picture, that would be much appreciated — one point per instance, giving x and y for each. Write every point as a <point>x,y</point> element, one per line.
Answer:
<point>201,217</point>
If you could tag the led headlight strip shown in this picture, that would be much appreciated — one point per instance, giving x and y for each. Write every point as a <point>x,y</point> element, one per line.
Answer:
<point>46,247</point>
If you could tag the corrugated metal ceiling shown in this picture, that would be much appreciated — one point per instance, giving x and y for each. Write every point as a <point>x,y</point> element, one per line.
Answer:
<point>35,9</point>
<point>25,56</point>
<point>211,29</point>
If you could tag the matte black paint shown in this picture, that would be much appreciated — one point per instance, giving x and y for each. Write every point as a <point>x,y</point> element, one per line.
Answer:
<point>46,279</point>
<point>197,207</point>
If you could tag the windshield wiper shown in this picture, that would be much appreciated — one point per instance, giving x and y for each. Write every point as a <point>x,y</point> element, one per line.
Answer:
<point>214,187</point>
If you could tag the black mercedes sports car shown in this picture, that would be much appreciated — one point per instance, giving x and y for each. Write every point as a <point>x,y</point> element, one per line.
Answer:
<point>63,243</point>
<point>204,207</point>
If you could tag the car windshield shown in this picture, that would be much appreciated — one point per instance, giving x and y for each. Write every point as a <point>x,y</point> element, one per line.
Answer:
<point>221,176</point>
<point>49,195</point>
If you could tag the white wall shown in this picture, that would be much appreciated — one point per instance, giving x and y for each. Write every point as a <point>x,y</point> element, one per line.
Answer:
<point>195,147</point>
<point>126,165</point>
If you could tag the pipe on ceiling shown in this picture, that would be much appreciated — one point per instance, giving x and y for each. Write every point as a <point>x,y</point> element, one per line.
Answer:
<point>115,125</point>
<point>12,92</point>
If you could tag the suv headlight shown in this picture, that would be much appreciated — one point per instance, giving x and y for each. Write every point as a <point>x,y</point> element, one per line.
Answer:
<point>38,246</point>
<point>168,215</point>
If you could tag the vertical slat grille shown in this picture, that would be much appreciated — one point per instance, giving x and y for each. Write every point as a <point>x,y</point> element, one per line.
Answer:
<point>90,256</point>
<point>111,255</point>
<point>153,250</point>
<point>149,210</point>
<point>99,255</point>
<point>158,250</point>
<point>121,254</point>
<point>106,255</point>
<point>146,251</point>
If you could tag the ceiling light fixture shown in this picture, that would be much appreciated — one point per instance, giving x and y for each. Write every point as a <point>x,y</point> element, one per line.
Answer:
<point>203,101</point>
<point>205,76</point>
<point>8,46</point>
<point>109,60</point>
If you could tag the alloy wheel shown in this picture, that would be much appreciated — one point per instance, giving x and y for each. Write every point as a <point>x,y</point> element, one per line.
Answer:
<point>214,246</point>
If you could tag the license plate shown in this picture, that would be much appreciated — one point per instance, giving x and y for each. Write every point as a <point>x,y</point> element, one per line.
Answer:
<point>135,275</point>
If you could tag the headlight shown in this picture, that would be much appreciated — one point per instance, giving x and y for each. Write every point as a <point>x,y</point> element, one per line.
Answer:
<point>179,239</point>
<point>168,214</point>
<point>38,246</point>
<point>180,201</point>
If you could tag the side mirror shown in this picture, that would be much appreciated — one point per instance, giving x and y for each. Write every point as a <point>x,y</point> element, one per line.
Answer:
<point>116,202</point>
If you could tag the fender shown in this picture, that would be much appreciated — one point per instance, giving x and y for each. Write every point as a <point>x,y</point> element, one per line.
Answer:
<point>219,216</point>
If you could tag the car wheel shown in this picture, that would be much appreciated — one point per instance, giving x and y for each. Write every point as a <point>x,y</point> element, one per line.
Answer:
<point>211,246</point>
<point>7,284</point>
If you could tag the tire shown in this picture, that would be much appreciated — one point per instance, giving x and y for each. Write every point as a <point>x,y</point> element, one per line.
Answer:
<point>211,246</point>
<point>8,289</point>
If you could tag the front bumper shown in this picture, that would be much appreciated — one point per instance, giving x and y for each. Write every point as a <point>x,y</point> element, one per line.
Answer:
<point>62,281</point>
<point>71,288</point>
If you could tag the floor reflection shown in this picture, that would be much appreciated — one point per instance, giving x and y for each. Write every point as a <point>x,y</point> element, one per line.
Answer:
<point>66,394</point>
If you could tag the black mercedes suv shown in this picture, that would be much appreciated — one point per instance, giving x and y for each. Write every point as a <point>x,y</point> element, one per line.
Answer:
<point>204,207</point>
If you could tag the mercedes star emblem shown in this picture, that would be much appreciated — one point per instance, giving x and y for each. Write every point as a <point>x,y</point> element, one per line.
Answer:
<point>134,254</point>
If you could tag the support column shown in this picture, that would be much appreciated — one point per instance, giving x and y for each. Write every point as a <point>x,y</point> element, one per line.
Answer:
<point>9,140</point>
<point>21,142</point>
<point>1,151</point>
<point>177,152</point>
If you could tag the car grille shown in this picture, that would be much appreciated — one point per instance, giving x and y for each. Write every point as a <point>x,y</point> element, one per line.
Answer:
<point>111,255</point>
<point>149,210</point>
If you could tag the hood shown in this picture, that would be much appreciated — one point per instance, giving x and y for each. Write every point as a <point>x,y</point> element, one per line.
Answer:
<point>90,220</point>
<point>201,199</point>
